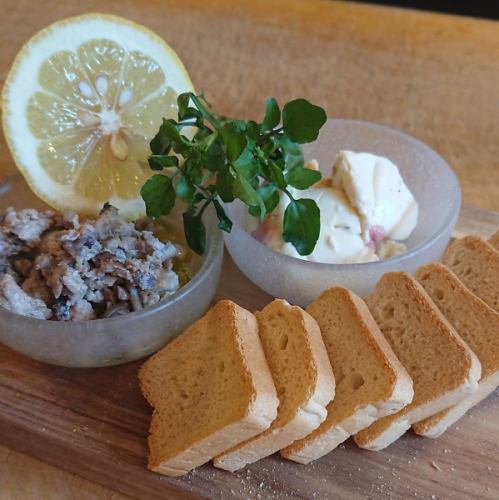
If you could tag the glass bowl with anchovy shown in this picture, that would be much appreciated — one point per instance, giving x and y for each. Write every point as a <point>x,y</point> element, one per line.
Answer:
<point>88,292</point>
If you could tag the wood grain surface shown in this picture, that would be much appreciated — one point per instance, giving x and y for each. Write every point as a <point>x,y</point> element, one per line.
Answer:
<point>433,76</point>
<point>94,423</point>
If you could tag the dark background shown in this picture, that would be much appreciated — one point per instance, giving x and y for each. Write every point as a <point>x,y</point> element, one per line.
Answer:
<point>475,8</point>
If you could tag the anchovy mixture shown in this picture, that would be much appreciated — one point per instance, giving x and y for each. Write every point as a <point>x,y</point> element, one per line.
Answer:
<point>54,266</point>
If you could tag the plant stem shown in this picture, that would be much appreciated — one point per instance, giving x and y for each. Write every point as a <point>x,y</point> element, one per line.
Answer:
<point>206,203</point>
<point>290,196</point>
<point>204,111</point>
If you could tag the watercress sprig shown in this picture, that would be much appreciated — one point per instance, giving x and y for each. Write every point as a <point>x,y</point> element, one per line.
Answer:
<point>206,158</point>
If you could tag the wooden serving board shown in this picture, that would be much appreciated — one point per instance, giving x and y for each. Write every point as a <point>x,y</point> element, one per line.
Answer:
<point>94,422</point>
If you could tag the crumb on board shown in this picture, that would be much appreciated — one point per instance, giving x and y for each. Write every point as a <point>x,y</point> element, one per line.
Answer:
<point>435,465</point>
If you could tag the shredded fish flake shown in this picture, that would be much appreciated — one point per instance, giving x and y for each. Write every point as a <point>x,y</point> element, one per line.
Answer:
<point>54,266</point>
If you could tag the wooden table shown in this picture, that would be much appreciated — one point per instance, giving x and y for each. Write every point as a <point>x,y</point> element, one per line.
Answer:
<point>433,76</point>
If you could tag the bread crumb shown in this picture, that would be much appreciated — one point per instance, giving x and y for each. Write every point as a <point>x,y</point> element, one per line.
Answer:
<point>435,465</point>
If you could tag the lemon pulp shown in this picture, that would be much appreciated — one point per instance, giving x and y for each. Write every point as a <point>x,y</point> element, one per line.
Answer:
<point>95,116</point>
<point>91,111</point>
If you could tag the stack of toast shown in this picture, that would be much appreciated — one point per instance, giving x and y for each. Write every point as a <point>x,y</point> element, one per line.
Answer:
<point>417,352</point>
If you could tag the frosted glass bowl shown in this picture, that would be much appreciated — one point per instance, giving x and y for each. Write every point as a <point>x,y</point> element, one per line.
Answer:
<point>111,341</point>
<point>427,175</point>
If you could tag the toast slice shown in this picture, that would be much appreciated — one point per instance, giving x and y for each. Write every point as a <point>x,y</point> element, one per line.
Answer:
<point>371,382</point>
<point>211,388</point>
<point>304,380</point>
<point>443,368</point>
<point>476,263</point>
<point>478,326</point>
<point>494,240</point>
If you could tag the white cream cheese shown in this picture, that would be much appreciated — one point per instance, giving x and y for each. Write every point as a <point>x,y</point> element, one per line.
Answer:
<point>375,188</point>
<point>340,240</point>
<point>364,206</point>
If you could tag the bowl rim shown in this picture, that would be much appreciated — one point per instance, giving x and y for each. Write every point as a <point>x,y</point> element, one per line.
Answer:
<point>453,213</point>
<point>214,246</point>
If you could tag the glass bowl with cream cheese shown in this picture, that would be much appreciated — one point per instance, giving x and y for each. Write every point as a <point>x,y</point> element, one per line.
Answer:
<point>375,217</point>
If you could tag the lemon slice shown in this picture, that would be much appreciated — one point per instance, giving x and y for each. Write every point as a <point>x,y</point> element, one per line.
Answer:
<point>80,104</point>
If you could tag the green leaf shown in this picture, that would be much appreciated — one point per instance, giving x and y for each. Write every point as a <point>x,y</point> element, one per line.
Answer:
<point>171,130</point>
<point>302,120</point>
<point>302,178</point>
<point>199,196</point>
<point>158,195</point>
<point>239,125</point>
<point>195,232</point>
<point>159,162</point>
<point>183,104</point>
<point>161,143</point>
<point>224,158</point>
<point>291,151</point>
<point>185,189</point>
<point>224,223</point>
<point>186,112</point>
<point>302,225</point>
<point>199,102</point>
<point>215,157</point>
<point>246,164</point>
<point>277,175</point>
<point>193,167</point>
<point>192,113</point>
<point>270,196</point>
<point>169,137</point>
<point>234,140</point>
<point>202,134</point>
<point>253,130</point>
<point>225,185</point>
<point>272,115</point>
<point>247,193</point>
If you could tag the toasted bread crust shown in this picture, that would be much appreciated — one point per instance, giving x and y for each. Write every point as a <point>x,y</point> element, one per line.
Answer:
<point>481,334</point>
<point>256,389</point>
<point>310,410</point>
<point>427,400</point>
<point>437,424</point>
<point>476,263</point>
<point>494,240</point>
<point>325,384</point>
<point>265,395</point>
<point>398,385</point>
<point>401,381</point>
<point>466,303</point>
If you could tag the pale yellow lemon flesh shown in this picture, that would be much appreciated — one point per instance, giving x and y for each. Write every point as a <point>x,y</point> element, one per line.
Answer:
<point>94,104</point>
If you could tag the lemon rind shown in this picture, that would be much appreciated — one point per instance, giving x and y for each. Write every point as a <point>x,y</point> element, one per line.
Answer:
<point>66,197</point>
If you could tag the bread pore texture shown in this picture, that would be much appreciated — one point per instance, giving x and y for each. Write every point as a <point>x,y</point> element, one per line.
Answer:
<point>476,263</point>
<point>478,326</point>
<point>303,377</point>
<point>211,388</point>
<point>370,380</point>
<point>443,368</point>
